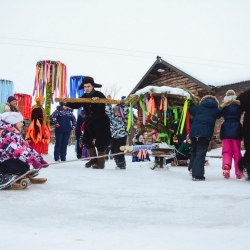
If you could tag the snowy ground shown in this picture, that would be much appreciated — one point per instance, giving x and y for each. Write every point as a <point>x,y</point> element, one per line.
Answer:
<point>138,208</point>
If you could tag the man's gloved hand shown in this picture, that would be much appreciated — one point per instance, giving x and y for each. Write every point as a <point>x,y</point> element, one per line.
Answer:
<point>73,128</point>
<point>36,164</point>
<point>57,125</point>
<point>122,102</point>
<point>44,163</point>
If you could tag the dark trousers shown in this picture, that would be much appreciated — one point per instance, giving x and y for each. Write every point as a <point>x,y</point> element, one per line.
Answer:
<point>107,150</point>
<point>14,166</point>
<point>115,148</point>
<point>62,139</point>
<point>178,156</point>
<point>78,149</point>
<point>197,160</point>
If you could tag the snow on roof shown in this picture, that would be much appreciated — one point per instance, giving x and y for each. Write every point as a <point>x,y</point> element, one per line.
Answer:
<point>162,89</point>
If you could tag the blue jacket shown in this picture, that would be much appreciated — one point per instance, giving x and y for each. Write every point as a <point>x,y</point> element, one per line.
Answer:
<point>204,117</point>
<point>231,127</point>
<point>63,119</point>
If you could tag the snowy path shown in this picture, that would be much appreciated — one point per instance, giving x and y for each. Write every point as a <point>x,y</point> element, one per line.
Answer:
<point>138,208</point>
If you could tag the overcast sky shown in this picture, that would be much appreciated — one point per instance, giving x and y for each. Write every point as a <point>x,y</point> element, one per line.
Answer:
<point>117,41</point>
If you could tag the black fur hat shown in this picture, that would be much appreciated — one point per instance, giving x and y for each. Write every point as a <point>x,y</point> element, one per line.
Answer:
<point>88,79</point>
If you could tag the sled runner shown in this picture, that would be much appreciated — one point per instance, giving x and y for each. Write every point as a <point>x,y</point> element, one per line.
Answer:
<point>24,181</point>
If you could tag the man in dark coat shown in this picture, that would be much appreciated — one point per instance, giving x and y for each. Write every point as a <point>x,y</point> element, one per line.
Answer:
<point>97,126</point>
<point>202,128</point>
<point>244,162</point>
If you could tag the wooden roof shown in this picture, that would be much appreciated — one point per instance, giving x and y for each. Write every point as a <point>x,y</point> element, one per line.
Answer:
<point>152,73</point>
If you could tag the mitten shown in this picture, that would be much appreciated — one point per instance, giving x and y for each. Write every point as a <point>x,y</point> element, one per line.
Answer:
<point>44,163</point>
<point>36,164</point>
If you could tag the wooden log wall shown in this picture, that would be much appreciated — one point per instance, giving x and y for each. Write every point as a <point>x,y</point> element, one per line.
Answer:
<point>171,78</point>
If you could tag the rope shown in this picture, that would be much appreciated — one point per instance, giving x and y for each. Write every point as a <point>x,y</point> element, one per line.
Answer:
<point>96,157</point>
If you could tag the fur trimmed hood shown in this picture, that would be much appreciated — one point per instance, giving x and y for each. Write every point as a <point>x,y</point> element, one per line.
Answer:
<point>225,104</point>
<point>207,97</point>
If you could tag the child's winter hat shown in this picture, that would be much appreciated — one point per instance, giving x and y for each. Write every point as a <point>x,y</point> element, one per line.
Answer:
<point>116,109</point>
<point>63,103</point>
<point>230,96</point>
<point>137,137</point>
<point>11,117</point>
<point>11,98</point>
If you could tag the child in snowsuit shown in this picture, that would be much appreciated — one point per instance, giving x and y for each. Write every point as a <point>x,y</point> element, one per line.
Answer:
<point>184,151</point>
<point>140,155</point>
<point>231,134</point>
<point>64,121</point>
<point>81,152</point>
<point>118,123</point>
<point>16,153</point>
<point>204,116</point>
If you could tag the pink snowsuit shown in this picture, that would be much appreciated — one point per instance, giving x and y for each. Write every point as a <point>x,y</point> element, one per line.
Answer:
<point>231,135</point>
<point>231,150</point>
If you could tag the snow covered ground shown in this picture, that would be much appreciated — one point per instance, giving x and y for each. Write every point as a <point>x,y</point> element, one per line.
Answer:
<point>138,208</point>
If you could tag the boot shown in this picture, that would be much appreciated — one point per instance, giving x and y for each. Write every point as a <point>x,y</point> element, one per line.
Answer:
<point>6,180</point>
<point>120,164</point>
<point>92,153</point>
<point>226,171</point>
<point>100,164</point>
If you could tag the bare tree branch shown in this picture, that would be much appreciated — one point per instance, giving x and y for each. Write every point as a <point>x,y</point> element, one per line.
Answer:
<point>111,90</point>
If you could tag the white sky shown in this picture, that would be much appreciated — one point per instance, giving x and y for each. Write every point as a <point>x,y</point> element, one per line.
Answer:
<point>206,39</point>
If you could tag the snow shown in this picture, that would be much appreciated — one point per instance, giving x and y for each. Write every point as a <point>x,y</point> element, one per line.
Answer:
<point>138,208</point>
<point>162,89</point>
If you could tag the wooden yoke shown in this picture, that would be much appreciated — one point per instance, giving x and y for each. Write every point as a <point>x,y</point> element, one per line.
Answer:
<point>77,100</point>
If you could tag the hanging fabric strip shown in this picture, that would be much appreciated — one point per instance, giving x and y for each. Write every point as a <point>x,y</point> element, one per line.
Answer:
<point>188,123</point>
<point>129,118</point>
<point>151,105</point>
<point>184,111</point>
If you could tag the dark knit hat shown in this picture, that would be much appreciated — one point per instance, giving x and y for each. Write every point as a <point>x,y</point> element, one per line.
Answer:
<point>63,103</point>
<point>137,137</point>
<point>11,98</point>
<point>88,79</point>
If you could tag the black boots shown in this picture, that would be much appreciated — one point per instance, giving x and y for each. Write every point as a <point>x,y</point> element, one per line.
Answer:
<point>120,163</point>
<point>92,153</point>
<point>6,180</point>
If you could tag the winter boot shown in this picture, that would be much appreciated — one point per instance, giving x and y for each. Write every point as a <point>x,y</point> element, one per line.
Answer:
<point>5,180</point>
<point>92,153</point>
<point>100,164</point>
<point>198,178</point>
<point>120,164</point>
<point>226,171</point>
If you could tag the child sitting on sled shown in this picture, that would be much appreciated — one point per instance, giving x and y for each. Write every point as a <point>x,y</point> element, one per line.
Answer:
<point>16,153</point>
<point>140,155</point>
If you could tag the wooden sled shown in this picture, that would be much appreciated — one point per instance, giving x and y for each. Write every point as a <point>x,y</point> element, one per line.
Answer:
<point>24,181</point>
